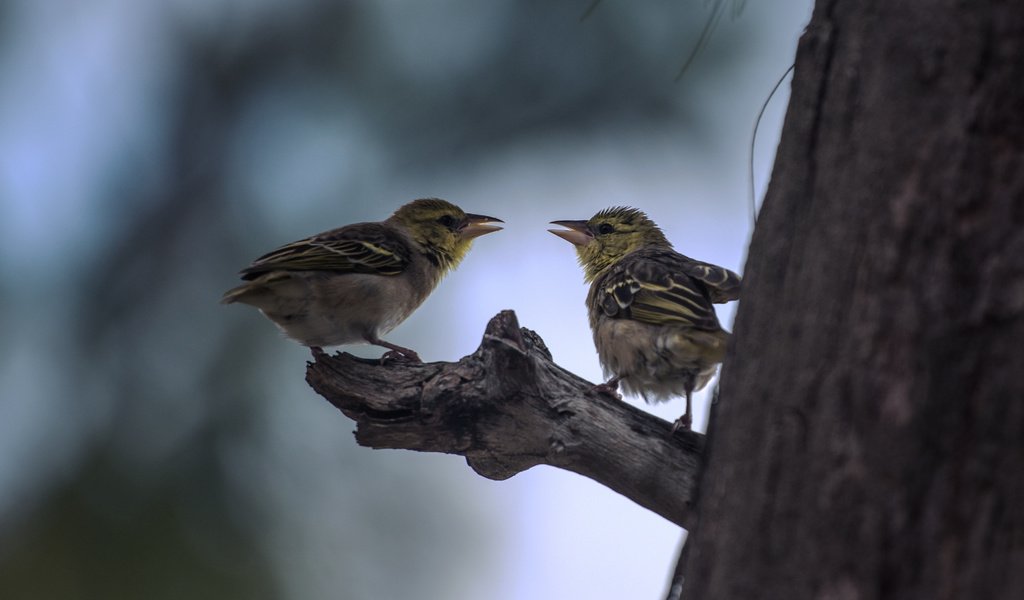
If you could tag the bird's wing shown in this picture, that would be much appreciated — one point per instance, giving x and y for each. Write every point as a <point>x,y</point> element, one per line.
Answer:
<point>723,285</point>
<point>656,290</point>
<point>359,248</point>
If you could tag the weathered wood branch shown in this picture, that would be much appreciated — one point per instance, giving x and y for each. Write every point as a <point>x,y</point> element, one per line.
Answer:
<point>508,407</point>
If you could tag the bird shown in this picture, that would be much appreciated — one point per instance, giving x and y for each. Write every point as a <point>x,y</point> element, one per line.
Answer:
<point>650,308</point>
<point>356,283</point>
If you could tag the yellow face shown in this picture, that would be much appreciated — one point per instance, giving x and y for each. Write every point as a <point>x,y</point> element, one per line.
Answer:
<point>444,229</point>
<point>608,236</point>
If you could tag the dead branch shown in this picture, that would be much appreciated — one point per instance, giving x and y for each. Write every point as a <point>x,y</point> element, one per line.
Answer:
<point>508,407</point>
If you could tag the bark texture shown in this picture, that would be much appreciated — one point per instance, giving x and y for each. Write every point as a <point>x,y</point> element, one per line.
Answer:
<point>507,407</point>
<point>869,441</point>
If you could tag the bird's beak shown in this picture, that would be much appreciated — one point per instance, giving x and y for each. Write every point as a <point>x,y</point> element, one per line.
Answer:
<point>477,225</point>
<point>575,232</point>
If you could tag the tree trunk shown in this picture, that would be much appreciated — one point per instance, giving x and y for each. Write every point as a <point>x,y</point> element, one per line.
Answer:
<point>869,441</point>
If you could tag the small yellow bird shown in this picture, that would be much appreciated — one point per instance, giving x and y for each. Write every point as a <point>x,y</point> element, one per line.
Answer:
<point>356,283</point>
<point>650,307</point>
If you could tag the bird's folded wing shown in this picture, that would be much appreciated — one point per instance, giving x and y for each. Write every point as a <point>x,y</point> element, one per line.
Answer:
<point>723,285</point>
<point>653,292</point>
<point>358,248</point>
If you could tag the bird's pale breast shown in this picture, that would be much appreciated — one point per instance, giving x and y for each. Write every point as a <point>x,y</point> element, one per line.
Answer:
<point>323,309</point>
<point>656,361</point>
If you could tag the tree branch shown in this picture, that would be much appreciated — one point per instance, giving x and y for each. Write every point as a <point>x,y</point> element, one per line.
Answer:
<point>508,407</point>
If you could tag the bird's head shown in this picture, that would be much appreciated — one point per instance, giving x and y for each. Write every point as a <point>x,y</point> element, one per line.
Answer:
<point>608,236</point>
<point>443,230</point>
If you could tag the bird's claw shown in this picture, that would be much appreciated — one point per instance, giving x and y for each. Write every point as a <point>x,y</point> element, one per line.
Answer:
<point>404,355</point>
<point>684,422</point>
<point>610,388</point>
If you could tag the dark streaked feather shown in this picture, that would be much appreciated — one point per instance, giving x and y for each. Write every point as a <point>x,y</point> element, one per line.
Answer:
<point>661,286</point>
<point>723,285</point>
<point>358,248</point>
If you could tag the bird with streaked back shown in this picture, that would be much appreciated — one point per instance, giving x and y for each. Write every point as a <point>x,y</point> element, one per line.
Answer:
<point>358,282</point>
<point>651,308</point>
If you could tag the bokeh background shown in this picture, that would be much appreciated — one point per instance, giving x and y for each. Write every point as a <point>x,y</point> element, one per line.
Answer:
<point>155,444</point>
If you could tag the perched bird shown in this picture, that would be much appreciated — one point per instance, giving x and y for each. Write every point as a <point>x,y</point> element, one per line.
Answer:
<point>358,282</point>
<point>650,307</point>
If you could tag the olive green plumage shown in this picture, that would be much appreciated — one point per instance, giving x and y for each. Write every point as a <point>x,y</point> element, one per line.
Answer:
<point>651,308</point>
<point>356,283</point>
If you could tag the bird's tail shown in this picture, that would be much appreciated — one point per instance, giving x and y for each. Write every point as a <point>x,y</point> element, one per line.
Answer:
<point>235,294</point>
<point>251,290</point>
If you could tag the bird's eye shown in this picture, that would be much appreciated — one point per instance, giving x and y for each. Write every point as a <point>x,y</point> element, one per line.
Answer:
<point>446,220</point>
<point>605,228</point>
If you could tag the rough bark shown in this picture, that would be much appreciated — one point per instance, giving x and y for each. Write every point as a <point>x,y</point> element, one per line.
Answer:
<point>869,442</point>
<point>507,407</point>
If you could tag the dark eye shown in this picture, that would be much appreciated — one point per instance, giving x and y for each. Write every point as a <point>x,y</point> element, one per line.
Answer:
<point>605,228</point>
<point>447,220</point>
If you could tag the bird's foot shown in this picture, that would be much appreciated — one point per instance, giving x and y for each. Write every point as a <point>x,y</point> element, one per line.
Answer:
<point>400,355</point>
<point>318,352</point>
<point>395,352</point>
<point>684,422</point>
<point>608,388</point>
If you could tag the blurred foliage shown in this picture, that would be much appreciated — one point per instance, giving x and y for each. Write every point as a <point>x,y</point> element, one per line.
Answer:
<point>102,536</point>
